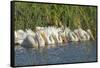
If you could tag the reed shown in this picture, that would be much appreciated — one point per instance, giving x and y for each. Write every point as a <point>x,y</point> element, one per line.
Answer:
<point>30,15</point>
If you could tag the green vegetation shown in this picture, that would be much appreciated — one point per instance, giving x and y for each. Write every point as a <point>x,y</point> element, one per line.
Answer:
<point>30,15</point>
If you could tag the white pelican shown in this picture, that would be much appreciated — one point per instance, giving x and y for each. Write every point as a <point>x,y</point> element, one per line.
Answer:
<point>48,38</point>
<point>90,33</point>
<point>82,34</point>
<point>20,36</point>
<point>72,36</point>
<point>40,39</point>
<point>30,32</point>
<point>15,35</point>
<point>49,41</point>
<point>30,42</point>
<point>57,38</point>
<point>76,31</point>
<point>61,33</point>
<point>67,30</point>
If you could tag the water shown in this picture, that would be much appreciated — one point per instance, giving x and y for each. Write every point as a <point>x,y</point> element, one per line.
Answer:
<point>67,53</point>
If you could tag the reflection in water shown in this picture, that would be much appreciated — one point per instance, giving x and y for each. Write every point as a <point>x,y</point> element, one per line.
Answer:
<point>63,53</point>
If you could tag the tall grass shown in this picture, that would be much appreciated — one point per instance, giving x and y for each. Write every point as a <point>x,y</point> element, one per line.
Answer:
<point>30,15</point>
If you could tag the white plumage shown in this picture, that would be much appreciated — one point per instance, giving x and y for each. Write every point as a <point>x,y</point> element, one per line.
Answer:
<point>50,35</point>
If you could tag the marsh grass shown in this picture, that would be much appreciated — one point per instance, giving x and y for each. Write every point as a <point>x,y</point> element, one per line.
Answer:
<point>30,15</point>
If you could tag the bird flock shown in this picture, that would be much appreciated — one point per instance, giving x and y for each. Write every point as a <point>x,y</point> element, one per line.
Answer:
<point>49,36</point>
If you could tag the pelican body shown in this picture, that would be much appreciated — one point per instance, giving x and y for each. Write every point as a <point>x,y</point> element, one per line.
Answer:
<point>49,36</point>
